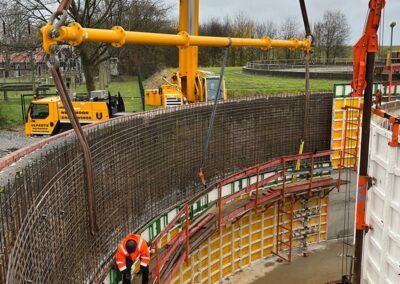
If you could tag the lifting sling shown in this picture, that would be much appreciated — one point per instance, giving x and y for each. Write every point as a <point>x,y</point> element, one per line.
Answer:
<point>213,114</point>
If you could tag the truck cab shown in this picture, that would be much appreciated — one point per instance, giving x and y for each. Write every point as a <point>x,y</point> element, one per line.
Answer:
<point>47,116</point>
<point>42,117</point>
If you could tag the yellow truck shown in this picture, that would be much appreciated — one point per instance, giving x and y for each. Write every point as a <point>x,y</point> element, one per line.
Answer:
<point>47,116</point>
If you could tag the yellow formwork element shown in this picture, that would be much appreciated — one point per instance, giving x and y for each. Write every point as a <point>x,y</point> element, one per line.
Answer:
<point>248,240</point>
<point>338,128</point>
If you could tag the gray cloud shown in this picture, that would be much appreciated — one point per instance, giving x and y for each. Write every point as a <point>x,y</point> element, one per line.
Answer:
<point>277,11</point>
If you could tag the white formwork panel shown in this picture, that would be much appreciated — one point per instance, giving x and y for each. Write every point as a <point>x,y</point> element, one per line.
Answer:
<point>381,264</point>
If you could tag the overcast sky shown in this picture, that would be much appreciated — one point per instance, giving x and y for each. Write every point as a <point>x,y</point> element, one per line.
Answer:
<point>355,10</point>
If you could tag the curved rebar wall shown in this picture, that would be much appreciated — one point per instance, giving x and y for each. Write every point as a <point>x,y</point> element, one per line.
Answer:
<point>143,164</point>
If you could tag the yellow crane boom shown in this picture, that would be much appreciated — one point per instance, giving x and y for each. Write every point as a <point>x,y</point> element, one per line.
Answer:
<point>188,41</point>
<point>74,34</point>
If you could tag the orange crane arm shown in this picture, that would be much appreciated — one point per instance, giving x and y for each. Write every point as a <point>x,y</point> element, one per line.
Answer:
<point>367,43</point>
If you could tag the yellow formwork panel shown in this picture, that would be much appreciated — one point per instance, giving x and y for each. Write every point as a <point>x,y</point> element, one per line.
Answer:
<point>215,255</point>
<point>256,217</point>
<point>187,276</point>
<point>245,229</point>
<point>338,127</point>
<point>256,246</point>
<point>225,230</point>
<point>215,278</point>
<point>267,241</point>
<point>226,239</point>
<point>269,222</point>
<point>246,261</point>
<point>256,226</point>
<point>245,250</point>
<point>227,260</point>
<point>226,249</point>
<point>255,237</point>
<point>256,256</point>
<point>227,271</point>
<point>241,243</point>
<point>267,251</point>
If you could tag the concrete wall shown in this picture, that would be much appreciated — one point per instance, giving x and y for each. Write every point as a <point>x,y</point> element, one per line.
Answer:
<point>143,164</point>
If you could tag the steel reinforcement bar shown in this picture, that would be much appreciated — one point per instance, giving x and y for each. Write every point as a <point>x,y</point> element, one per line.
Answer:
<point>143,164</point>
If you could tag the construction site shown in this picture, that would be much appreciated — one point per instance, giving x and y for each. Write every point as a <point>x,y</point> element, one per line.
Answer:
<point>200,186</point>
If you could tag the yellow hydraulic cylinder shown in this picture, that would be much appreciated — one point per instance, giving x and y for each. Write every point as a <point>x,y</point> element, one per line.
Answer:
<point>74,34</point>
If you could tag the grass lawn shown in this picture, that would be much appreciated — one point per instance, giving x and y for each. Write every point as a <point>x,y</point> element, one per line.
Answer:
<point>237,84</point>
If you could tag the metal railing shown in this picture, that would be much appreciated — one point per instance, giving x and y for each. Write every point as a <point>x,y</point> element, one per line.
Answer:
<point>296,63</point>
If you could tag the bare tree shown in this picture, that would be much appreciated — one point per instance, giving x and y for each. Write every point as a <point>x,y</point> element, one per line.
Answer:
<point>243,27</point>
<point>289,29</point>
<point>142,15</point>
<point>269,29</point>
<point>212,56</point>
<point>148,16</point>
<point>17,33</point>
<point>88,13</point>
<point>331,34</point>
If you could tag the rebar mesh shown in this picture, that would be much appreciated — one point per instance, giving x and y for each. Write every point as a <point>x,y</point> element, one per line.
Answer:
<point>143,164</point>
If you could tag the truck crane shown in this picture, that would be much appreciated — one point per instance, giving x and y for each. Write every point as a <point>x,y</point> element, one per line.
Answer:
<point>188,84</point>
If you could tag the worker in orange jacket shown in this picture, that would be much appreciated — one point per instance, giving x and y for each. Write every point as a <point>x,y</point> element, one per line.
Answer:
<point>133,248</point>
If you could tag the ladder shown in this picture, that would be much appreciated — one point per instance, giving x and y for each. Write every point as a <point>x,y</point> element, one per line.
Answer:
<point>351,138</point>
<point>284,230</point>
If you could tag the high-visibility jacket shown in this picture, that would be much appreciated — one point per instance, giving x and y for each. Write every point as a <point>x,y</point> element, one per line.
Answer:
<point>142,252</point>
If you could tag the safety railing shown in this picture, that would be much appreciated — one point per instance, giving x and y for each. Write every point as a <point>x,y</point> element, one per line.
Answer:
<point>276,173</point>
<point>296,63</point>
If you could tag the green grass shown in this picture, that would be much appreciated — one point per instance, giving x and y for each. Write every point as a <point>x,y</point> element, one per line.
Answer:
<point>237,84</point>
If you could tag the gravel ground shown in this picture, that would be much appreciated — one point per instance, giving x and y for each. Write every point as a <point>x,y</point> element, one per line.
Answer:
<point>14,139</point>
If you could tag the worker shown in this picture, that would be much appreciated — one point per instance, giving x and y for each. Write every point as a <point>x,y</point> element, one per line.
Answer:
<point>378,98</point>
<point>132,248</point>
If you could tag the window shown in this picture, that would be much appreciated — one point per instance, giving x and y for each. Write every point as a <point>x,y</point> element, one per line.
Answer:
<point>39,111</point>
<point>212,89</point>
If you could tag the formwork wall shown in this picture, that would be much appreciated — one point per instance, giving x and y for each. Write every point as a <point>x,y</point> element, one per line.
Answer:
<point>143,164</point>
<point>381,260</point>
<point>250,239</point>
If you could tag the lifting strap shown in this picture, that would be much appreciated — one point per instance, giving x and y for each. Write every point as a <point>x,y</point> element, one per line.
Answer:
<point>69,109</point>
<point>213,114</point>
<point>54,68</point>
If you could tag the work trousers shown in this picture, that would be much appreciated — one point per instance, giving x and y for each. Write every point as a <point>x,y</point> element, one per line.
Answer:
<point>126,274</point>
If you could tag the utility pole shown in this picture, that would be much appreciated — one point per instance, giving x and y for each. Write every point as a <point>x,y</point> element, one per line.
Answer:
<point>392,25</point>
